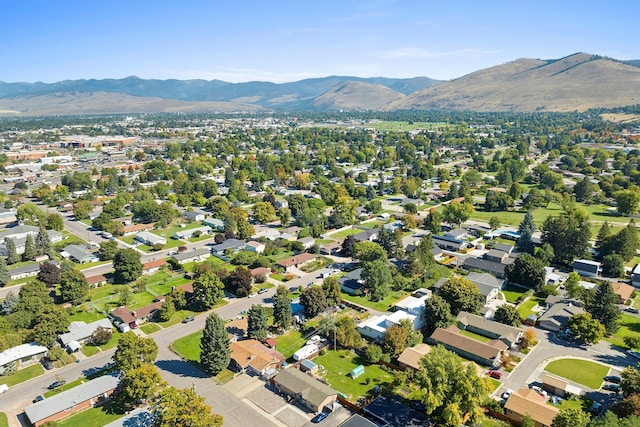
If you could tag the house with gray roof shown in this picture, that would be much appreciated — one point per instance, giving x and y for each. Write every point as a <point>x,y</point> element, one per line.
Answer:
<point>305,389</point>
<point>555,318</point>
<point>192,232</point>
<point>196,255</point>
<point>510,335</point>
<point>351,283</point>
<point>29,270</point>
<point>488,285</point>
<point>74,400</point>
<point>22,356</point>
<point>79,253</point>
<point>229,245</point>
<point>81,331</point>
<point>495,268</point>
<point>448,243</point>
<point>150,239</point>
<point>488,354</point>
<point>19,236</point>
<point>214,223</point>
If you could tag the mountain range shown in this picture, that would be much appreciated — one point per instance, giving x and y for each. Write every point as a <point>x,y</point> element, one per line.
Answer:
<point>574,83</point>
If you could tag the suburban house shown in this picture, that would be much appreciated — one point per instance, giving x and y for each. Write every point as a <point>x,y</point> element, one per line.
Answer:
<point>587,268</point>
<point>97,280</point>
<point>29,270</point>
<point>194,216</point>
<point>74,400</point>
<point>307,242</point>
<point>138,316</point>
<point>414,304</point>
<point>551,277</point>
<point>393,225</point>
<point>19,236</point>
<point>504,247</point>
<point>228,246</point>
<point>21,356</point>
<point>558,387</point>
<point>152,267</point>
<point>488,354</point>
<point>296,261</point>
<point>351,283</point>
<point>525,402</point>
<point>456,233</point>
<point>635,276</point>
<point>196,255</point>
<point>495,255</point>
<point>509,335</point>
<point>81,331</point>
<point>136,228</point>
<point>192,232</point>
<point>410,357</point>
<point>267,233</point>
<point>623,291</point>
<point>331,248</point>
<point>557,316</point>
<point>79,253</point>
<point>237,329</point>
<point>367,235</point>
<point>488,285</point>
<point>150,239</point>
<point>7,216</point>
<point>253,356</point>
<point>253,246</point>
<point>214,223</point>
<point>374,327</point>
<point>484,265</point>
<point>448,243</point>
<point>305,389</point>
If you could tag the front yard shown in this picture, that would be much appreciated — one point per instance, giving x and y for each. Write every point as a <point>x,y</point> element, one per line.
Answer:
<point>22,375</point>
<point>94,417</point>
<point>188,346</point>
<point>583,372</point>
<point>337,366</point>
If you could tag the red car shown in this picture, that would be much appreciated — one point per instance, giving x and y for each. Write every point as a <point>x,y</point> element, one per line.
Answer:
<point>495,374</point>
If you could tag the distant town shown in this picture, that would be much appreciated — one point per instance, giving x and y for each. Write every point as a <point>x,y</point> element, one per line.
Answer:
<point>340,269</point>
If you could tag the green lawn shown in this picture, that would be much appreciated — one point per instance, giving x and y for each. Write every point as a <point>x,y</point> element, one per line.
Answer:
<point>474,336</point>
<point>93,417</point>
<point>583,372</point>
<point>188,346</point>
<point>22,375</point>
<point>65,387</point>
<point>629,325</point>
<point>150,328</point>
<point>289,343</point>
<point>526,308</point>
<point>494,383</point>
<point>170,231</point>
<point>512,293</point>
<point>339,363</point>
<point>112,342</point>
<point>382,305</point>
<point>162,282</point>
<point>90,350</point>
<point>86,316</point>
<point>341,235</point>
<point>4,422</point>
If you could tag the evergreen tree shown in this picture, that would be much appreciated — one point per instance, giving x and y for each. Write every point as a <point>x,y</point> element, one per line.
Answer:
<point>4,272</point>
<point>282,308</point>
<point>215,354</point>
<point>568,235</point>
<point>624,243</point>
<point>257,322</point>
<point>603,307</point>
<point>526,229</point>
<point>603,234</point>
<point>43,243</point>
<point>30,251</point>
<point>12,254</point>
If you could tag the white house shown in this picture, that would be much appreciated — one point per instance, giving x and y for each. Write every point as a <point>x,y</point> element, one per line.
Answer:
<point>187,234</point>
<point>150,239</point>
<point>214,223</point>
<point>194,216</point>
<point>414,304</point>
<point>375,327</point>
<point>21,356</point>
<point>253,246</point>
<point>587,268</point>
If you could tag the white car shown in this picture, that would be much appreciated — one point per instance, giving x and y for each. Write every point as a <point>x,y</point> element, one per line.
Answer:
<point>4,388</point>
<point>506,394</point>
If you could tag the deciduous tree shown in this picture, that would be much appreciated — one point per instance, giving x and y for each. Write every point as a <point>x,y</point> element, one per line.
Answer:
<point>462,295</point>
<point>208,289</point>
<point>73,285</point>
<point>527,271</point>
<point>183,407</point>
<point>437,313</point>
<point>240,281</point>
<point>139,384</point>
<point>313,300</point>
<point>133,351</point>
<point>126,265</point>
<point>508,315</point>
<point>331,289</point>
<point>108,250</point>
<point>585,328</point>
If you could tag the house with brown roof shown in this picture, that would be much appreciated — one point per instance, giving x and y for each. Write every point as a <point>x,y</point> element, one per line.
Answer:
<point>296,261</point>
<point>623,291</point>
<point>488,354</point>
<point>97,280</point>
<point>305,389</point>
<point>152,267</point>
<point>253,356</point>
<point>138,316</point>
<point>264,271</point>
<point>237,329</point>
<point>410,357</point>
<point>136,228</point>
<point>525,402</point>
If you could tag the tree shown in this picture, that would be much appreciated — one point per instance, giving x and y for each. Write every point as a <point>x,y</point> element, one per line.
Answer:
<point>457,213</point>
<point>348,245</point>
<point>528,338</point>
<point>108,250</point>
<point>125,296</point>
<point>494,223</point>
<point>632,341</point>
<point>526,229</point>
<point>448,385</point>
<point>346,334</point>
<point>624,243</point>
<point>208,289</point>
<point>527,271</point>
<point>603,234</point>
<point>394,340</point>
<point>54,222</point>
<point>331,289</point>
<point>604,308</point>
<point>584,190</point>
<point>585,328</point>
<point>49,321</point>
<point>30,251</point>
<point>627,201</point>
<point>609,419</point>
<point>101,336</point>
<point>377,277</point>
<point>140,383</point>
<point>313,300</point>
<point>508,314</point>
<point>568,235</point>
<point>257,322</point>
<point>628,406</point>
<point>373,354</point>
<point>433,221</point>
<point>12,254</point>
<point>285,216</point>
<point>133,351</point>
<point>215,354</point>
<point>630,383</point>
<point>240,281</point>
<point>327,327</point>
<point>9,303</point>
<point>126,265</point>
<point>81,209</point>
<point>497,201</point>
<point>571,417</point>
<point>282,307</point>
<point>368,251</point>
<point>572,285</point>
<point>391,242</point>
<point>437,313</point>
<point>613,265</point>
<point>4,272</point>
<point>73,285</point>
<point>167,310</point>
<point>43,243</point>
<point>263,212</point>
<point>527,421</point>
<point>183,407</point>
<point>245,230</point>
<point>49,273</point>
<point>462,295</point>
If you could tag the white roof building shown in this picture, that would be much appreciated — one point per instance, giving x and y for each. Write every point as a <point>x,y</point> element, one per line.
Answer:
<point>24,351</point>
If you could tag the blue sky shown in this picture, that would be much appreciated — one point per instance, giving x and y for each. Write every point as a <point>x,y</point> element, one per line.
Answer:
<point>284,40</point>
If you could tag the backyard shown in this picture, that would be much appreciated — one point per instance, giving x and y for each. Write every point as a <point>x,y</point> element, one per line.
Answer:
<point>629,325</point>
<point>583,372</point>
<point>338,364</point>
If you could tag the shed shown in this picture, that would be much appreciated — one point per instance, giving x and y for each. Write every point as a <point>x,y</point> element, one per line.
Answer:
<point>357,371</point>
<point>308,366</point>
<point>73,346</point>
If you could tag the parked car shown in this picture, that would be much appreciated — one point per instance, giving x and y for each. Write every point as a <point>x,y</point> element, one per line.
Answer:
<point>418,405</point>
<point>539,390</point>
<point>47,363</point>
<point>632,310</point>
<point>633,353</point>
<point>506,394</point>
<point>611,387</point>
<point>613,379</point>
<point>4,388</point>
<point>38,399</point>
<point>596,408</point>
<point>188,319</point>
<point>495,374</point>
<point>321,416</point>
<point>56,384</point>
<point>262,291</point>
